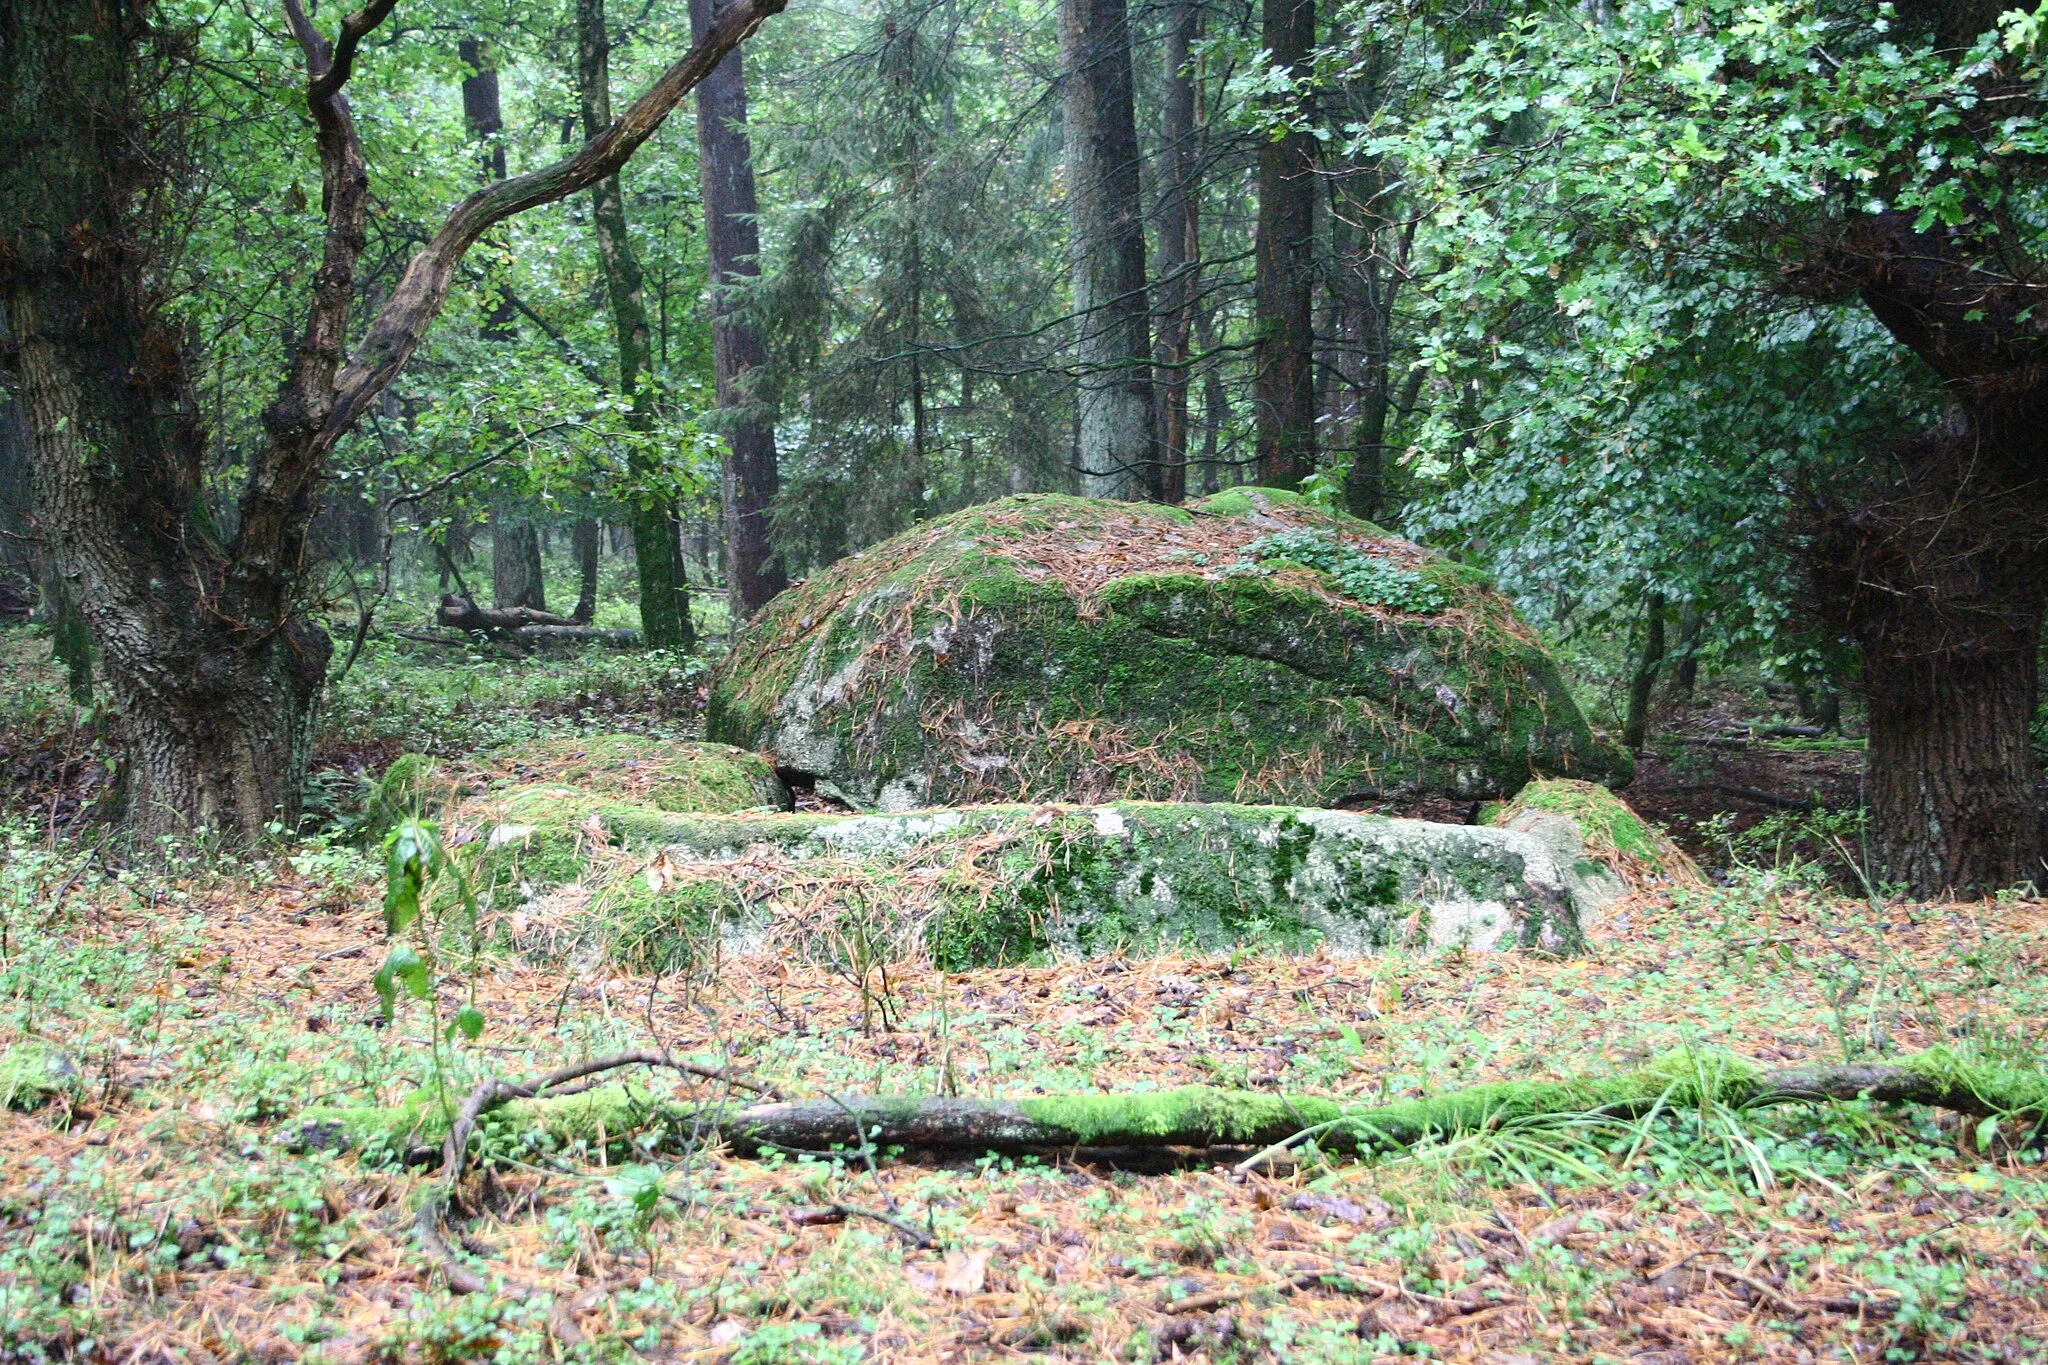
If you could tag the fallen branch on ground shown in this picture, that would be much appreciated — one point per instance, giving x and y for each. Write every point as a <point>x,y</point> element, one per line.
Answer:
<point>1190,1117</point>
<point>839,1213</point>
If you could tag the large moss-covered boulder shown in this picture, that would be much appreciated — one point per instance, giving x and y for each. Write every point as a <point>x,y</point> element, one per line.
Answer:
<point>1246,648</point>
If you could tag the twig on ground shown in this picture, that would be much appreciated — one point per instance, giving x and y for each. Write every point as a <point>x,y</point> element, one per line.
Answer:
<point>839,1213</point>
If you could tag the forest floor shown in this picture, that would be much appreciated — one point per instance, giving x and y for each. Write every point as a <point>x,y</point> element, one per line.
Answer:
<point>150,1209</point>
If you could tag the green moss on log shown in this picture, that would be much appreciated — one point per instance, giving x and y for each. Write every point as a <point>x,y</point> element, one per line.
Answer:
<point>1055,648</point>
<point>1190,1116</point>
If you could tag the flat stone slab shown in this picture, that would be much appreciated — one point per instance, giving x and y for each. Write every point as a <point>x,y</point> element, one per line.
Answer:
<point>990,884</point>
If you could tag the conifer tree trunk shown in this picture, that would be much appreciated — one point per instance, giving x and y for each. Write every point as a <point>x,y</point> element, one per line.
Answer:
<point>664,588</point>
<point>1284,283</point>
<point>1180,252</point>
<point>725,165</point>
<point>1106,248</point>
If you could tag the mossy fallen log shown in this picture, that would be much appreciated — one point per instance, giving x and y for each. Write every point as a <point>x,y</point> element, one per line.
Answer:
<point>1194,1116</point>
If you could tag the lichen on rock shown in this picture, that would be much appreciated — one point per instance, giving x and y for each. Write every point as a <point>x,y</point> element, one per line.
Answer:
<point>1045,648</point>
<point>987,885</point>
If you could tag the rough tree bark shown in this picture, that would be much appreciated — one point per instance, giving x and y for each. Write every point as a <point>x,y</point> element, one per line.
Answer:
<point>213,669</point>
<point>516,575</point>
<point>1180,253</point>
<point>1106,245</point>
<point>725,162</point>
<point>583,539</point>
<point>1938,563</point>
<point>664,589</point>
<point>1284,274</point>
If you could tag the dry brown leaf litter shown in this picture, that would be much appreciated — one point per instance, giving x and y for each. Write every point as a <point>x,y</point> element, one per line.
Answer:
<point>1057,1263</point>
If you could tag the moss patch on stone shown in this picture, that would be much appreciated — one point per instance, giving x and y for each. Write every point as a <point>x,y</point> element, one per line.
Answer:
<point>673,775</point>
<point>989,885</point>
<point>1056,648</point>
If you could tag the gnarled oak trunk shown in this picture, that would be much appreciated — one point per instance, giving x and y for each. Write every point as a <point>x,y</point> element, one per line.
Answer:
<point>214,671</point>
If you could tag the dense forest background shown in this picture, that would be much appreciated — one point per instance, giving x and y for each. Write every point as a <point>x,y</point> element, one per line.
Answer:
<point>1708,332</point>
<point>915,303</point>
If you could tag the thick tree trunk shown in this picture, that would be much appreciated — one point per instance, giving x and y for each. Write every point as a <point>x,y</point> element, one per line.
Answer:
<point>1106,248</point>
<point>1180,252</point>
<point>1939,570</point>
<point>1953,786</point>
<point>725,160</point>
<point>214,701</point>
<point>516,574</point>
<point>1284,282</point>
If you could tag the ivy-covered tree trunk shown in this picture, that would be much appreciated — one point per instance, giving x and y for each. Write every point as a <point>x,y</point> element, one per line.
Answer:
<point>1106,245</point>
<point>1284,283</point>
<point>664,590</point>
<point>725,162</point>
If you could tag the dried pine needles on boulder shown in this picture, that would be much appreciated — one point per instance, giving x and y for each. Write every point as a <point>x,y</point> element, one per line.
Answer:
<point>1249,647</point>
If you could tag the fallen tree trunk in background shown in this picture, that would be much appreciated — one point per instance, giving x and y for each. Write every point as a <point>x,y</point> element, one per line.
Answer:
<point>525,626</point>
<point>461,613</point>
<point>563,637</point>
<point>1193,1116</point>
